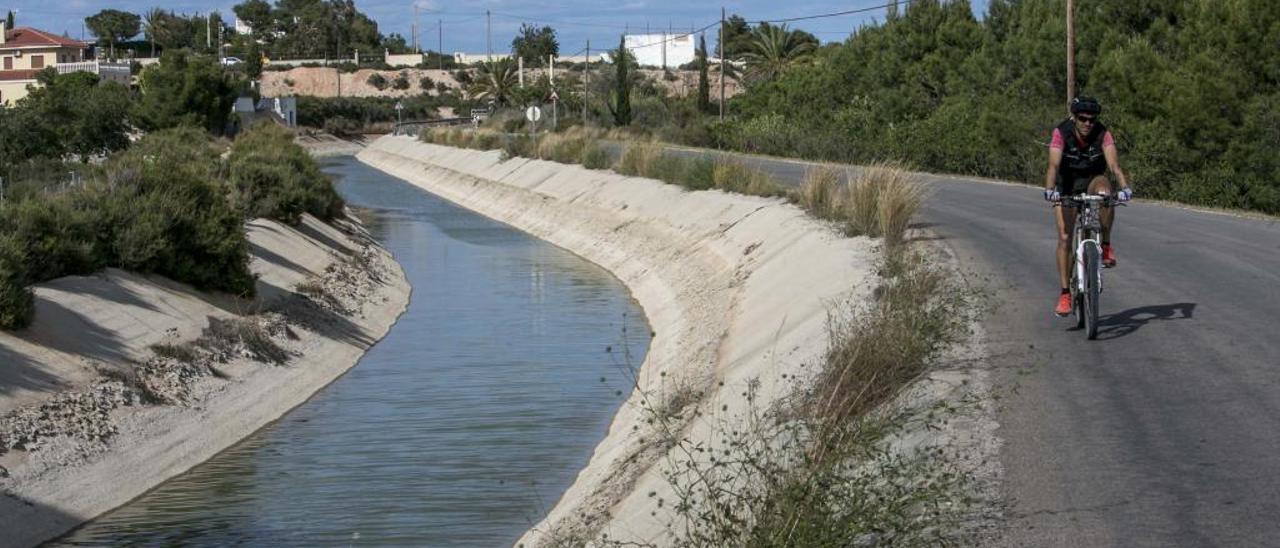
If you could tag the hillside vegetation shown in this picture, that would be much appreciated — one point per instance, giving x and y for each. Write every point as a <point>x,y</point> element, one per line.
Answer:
<point>1189,89</point>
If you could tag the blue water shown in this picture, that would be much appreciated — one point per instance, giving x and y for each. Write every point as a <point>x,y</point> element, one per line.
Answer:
<point>460,428</point>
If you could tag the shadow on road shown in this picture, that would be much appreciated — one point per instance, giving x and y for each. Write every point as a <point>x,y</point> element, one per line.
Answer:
<point>1117,325</point>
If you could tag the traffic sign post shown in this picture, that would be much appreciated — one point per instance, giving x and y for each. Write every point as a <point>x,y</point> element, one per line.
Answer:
<point>555,118</point>
<point>399,109</point>
<point>533,114</point>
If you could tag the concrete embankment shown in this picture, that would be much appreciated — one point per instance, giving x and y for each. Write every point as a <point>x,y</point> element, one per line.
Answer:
<point>78,388</point>
<point>737,290</point>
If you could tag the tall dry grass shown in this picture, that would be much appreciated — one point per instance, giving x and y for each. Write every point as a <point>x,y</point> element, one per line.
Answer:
<point>733,176</point>
<point>639,159</point>
<point>817,194</point>
<point>879,201</point>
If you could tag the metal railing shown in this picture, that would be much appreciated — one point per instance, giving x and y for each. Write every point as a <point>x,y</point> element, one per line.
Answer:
<point>414,127</point>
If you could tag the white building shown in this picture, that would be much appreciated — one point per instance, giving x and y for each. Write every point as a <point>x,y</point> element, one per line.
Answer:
<point>662,49</point>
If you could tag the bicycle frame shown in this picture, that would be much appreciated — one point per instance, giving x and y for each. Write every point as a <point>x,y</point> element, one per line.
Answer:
<point>1088,226</point>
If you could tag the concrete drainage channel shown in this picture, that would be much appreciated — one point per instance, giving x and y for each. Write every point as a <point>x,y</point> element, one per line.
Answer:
<point>461,427</point>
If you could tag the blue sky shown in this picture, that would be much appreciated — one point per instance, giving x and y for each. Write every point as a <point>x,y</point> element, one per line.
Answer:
<point>464,23</point>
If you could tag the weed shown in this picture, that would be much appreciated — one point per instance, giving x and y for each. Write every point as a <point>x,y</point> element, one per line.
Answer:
<point>817,193</point>
<point>639,159</point>
<point>594,157</point>
<point>245,336</point>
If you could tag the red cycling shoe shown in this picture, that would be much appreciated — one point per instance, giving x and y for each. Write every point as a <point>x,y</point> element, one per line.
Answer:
<point>1064,305</point>
<point>1108,256</point>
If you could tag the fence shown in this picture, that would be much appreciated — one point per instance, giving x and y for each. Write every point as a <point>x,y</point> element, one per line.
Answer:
<point>415,127</point>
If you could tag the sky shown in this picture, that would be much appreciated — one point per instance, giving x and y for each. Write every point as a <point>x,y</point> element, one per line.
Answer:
<point>463,23</point>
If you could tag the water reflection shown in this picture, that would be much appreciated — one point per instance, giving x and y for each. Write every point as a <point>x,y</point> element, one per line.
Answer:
<point>460,428</point>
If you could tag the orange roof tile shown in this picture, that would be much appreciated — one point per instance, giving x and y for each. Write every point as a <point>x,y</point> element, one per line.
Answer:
<point>27,36</point>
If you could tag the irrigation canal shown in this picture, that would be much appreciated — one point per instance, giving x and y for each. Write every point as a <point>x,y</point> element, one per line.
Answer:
<point>460,428</point>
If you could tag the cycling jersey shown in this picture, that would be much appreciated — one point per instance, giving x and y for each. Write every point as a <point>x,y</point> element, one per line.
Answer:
<point>1082,159</point>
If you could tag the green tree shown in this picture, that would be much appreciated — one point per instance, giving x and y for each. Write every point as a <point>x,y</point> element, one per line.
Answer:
<point>113,26</point>
<point>735,38</point>
<point>84,132</point>
<point>704,82</point>
<point>620,107</point>
<point>186,89</point>
<point>253,61</point>
<point>8,21</point>
<point>535,44</point>
<point>256,14</point>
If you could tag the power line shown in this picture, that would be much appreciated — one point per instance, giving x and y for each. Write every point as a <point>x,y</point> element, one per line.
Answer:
<point>835,14</point>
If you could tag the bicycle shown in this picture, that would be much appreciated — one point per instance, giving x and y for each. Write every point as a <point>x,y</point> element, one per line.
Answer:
<point>1086,277</point>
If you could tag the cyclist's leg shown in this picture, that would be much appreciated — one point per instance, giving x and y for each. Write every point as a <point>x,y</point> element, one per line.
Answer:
<point>1066,221</point>
<point>1098,185</point>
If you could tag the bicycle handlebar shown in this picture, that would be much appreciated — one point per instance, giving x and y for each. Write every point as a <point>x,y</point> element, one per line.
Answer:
<point>1104,199</point>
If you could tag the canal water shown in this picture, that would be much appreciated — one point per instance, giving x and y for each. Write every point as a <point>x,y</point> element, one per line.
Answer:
<point>460,428</point>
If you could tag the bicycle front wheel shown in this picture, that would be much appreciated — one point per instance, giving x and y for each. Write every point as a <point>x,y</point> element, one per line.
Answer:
<point>1092,260</point>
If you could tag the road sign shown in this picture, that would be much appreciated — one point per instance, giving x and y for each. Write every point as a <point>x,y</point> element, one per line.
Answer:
<point>533,114</point>
<point>555,96</point>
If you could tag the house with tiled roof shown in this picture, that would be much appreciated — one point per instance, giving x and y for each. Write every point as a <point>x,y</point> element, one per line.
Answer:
<point>25,51</point>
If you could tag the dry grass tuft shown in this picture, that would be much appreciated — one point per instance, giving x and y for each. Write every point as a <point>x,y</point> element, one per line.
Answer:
<point>736,177</point>
<point>818,192</point>
<point>880,201</point>
<point>640,159</point>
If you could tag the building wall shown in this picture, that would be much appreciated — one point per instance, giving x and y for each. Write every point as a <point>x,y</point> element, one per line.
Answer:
<point>404,60</point>
<point>661,50</point>
<point>12,91</point>
<point>11,60</point>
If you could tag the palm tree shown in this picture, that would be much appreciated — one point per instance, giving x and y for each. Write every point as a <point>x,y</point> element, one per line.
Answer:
<point>496,81</point>
<point>152,20</point>
<point>773,50</point>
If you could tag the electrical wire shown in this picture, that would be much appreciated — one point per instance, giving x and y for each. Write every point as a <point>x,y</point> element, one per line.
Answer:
<point>835,14</point>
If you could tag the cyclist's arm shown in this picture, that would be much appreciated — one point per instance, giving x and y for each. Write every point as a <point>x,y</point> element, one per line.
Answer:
<point>1113,163</point>
<point>1051,176</point>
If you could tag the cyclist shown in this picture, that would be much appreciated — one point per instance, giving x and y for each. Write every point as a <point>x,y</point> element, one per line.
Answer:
<point>1080,153</point>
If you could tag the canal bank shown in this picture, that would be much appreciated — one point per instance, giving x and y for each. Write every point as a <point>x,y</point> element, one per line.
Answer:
<point>737,290</point>
<point>79,405</point>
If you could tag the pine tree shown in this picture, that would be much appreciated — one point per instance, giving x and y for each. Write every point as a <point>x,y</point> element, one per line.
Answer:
<point>621,106</point>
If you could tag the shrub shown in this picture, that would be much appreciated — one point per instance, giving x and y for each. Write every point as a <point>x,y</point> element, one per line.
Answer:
<point>594,157</point>
<point>639,158</point>
<point>341,126</point>
<point>168,213</point>
<point>275,178</point>
<point>426,83</point>
<point>377,80</point>
<point>401,82</point>
<point>16,302</point>
<point>732,176</point>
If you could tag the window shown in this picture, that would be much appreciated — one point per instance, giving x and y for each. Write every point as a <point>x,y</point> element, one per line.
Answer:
<point>8,63</point>
<point>37,61</point>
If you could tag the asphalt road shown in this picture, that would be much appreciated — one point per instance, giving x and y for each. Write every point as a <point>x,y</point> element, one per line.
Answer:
<point>1166,430</point>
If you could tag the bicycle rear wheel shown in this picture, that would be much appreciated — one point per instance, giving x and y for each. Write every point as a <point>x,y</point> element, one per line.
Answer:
<point>1092,261</point>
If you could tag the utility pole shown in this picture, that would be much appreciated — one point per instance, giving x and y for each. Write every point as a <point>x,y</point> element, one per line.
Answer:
<point>488,33</point>
<point>586,84</point>
<point>1071,52</point>
<point>722,64</point>
<point>208,32</point>
<point>440,45</point>
<point>416,49</point>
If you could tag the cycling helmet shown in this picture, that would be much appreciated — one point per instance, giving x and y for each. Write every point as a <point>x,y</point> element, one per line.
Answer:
<point>1087,105</point>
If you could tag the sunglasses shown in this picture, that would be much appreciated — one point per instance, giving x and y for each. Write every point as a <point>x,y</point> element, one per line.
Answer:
<point>1086,119</point>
